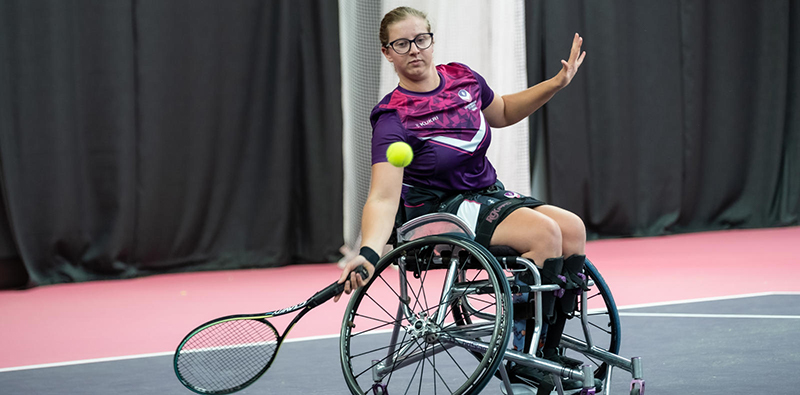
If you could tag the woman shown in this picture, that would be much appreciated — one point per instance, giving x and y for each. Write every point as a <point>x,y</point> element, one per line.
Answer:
<point>445,113</point>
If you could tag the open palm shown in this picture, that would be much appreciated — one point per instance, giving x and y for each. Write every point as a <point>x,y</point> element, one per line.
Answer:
<point>570,67</point>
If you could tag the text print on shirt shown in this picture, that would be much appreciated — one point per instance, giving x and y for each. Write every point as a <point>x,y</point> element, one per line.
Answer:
<point>468,146</point>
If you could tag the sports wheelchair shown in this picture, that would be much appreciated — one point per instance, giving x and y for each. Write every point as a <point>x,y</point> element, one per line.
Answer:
<point>436,318</point>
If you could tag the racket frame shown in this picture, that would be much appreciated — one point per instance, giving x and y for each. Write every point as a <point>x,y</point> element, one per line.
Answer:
<point>306,306</point>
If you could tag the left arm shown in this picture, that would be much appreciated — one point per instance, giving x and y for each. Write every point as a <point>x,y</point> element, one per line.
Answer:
<point>509,109</point>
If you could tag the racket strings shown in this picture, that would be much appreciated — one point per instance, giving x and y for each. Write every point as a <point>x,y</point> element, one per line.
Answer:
<point>222,357</point>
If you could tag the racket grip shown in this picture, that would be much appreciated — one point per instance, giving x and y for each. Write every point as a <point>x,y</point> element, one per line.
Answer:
<point>333,289</point>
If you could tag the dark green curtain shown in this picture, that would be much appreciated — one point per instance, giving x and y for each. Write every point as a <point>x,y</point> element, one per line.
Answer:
<point>140,137</point>
<point>683,118</point>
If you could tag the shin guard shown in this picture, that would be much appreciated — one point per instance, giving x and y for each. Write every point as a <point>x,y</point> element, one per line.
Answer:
<point>552,340</point>
<point>550,352</point>
<point>523,309</point>
<point>551,274</point>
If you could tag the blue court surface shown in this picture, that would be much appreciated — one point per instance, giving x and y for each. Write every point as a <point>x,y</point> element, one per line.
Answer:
<point>748,344</point>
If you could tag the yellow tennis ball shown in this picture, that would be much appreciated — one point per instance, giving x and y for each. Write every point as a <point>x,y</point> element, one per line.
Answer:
<point>399,154</point>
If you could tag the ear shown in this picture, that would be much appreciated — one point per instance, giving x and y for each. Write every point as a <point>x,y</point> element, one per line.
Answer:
<point>386,54</point>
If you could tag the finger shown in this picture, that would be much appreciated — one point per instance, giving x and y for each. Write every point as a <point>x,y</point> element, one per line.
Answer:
<point>348,269</point>
<point>347,287</point>
<point>576,43</point>
<point>576,47</point>
<point>360,281</point>
<point>350,266</point>
<point>370,271</point>
<point>345,274</point>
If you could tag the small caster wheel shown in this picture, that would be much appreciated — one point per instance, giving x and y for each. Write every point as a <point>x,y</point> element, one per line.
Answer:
<point>637,387</point>
<point>379,389</point>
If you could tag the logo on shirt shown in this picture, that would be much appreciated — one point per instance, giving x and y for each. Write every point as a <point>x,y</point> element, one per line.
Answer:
<point>464,95</point>
<point>510,194</point>
<point>428,122</point>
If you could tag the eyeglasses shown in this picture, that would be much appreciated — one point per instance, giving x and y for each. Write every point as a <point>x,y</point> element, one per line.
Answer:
<point>403,45</point>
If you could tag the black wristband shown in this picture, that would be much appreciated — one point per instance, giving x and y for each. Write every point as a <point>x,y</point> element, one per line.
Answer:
<point>370,254</point>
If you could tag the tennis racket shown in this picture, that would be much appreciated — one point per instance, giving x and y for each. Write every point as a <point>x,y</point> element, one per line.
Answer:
<point>229,353</point>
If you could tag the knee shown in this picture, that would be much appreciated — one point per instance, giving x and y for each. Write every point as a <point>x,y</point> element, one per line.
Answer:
<point>573,232</point>
<point>547,237</point>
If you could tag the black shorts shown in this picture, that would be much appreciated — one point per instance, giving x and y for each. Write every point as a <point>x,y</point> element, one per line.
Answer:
<point>482,210</point>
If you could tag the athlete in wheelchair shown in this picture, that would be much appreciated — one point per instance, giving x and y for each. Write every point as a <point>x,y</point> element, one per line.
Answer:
<point>477,266</point>
<point>436,318</point>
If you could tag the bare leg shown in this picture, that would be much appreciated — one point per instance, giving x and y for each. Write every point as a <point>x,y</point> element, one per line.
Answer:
<point>532,233</point>
<point>539,234</point>
<point>573,231</point>
<point>542,233</point>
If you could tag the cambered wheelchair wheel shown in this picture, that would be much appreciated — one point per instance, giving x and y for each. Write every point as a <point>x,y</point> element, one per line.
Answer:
<point>602,320</point>
<point>398,335</point>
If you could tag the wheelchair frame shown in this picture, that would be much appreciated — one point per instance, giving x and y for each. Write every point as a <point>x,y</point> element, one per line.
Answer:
<point>484,298</point>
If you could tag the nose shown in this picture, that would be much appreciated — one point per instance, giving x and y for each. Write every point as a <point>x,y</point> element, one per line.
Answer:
<point>413,49</point>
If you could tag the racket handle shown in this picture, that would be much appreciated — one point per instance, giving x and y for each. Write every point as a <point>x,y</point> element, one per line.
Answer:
<point>333,290</point>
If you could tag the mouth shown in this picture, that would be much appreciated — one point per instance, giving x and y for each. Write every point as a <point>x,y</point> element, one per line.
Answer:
<point>415,62</point>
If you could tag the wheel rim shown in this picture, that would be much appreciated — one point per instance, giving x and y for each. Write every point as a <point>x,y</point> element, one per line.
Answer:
<point>428,361</point>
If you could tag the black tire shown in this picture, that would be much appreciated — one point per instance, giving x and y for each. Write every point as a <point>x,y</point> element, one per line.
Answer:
<point>425,366</point>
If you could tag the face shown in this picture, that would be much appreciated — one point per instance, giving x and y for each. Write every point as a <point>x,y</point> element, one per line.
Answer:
<point>416,64</point>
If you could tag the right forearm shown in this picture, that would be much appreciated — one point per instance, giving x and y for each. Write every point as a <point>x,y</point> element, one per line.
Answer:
<point>377,222</point>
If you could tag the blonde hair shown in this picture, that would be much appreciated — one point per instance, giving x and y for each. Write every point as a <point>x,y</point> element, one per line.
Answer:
<point>396,15</point>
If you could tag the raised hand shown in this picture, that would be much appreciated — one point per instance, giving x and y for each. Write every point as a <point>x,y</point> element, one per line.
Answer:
<point>570,67</point>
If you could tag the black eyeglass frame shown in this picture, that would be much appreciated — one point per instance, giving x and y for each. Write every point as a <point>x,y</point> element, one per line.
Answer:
<point>391,44</point>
